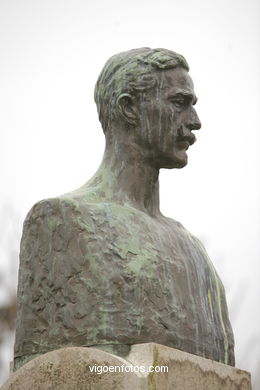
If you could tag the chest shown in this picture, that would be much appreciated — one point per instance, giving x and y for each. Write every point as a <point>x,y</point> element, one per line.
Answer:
<point>132,251</point>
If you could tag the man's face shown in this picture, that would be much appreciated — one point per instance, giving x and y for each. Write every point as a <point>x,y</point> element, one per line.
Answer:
<point>167,118</point>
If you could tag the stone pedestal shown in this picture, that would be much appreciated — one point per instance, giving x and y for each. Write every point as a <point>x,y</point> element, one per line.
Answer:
<point>80,368</point>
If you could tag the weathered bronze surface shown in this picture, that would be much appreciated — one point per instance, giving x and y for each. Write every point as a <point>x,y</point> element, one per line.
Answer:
<point>101,266</point>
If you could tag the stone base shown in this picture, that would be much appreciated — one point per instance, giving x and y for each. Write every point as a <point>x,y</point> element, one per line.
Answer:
<point>79,368</point>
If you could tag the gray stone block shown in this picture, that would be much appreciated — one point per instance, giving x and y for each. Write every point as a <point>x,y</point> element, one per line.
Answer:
<point>70,369</point>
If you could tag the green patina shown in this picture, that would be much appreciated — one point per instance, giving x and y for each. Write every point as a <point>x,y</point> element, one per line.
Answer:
<point>87,227</point>
<point>73,202</point>
<point>53,222</point>
<point>152,375</point>
<point>92,260</point>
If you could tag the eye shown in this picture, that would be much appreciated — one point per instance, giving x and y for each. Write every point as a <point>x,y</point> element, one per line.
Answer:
<point>179,103</point>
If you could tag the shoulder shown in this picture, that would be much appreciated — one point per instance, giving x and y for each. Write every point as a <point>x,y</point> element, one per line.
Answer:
<point>51,206</point>
<point>64,207</point>
<point>178,230</point>
<point>67,212</point>
<point>176,227</point>
<point>57,226</point>
<point>50,218</point>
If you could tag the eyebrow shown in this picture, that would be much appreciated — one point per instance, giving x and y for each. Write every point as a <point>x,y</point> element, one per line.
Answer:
<point>183,92</point>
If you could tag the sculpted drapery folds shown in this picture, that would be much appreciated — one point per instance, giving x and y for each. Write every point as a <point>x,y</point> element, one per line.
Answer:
<point>102,266</point>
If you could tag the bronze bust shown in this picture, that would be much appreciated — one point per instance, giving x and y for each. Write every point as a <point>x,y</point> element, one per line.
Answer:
<point>101,266</point>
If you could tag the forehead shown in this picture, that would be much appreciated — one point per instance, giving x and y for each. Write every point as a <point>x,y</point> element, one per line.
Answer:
<point>176,80</point>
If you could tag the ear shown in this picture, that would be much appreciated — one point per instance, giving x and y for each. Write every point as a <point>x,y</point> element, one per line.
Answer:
<point>127,108</point>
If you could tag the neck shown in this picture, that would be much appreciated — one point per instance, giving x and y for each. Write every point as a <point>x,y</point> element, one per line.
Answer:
<point>126,176</point>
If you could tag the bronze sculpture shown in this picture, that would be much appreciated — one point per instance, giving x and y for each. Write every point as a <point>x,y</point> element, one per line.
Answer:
<point>101,266</point>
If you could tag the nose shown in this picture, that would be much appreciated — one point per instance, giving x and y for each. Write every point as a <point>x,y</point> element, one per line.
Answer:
<point>193,122</point>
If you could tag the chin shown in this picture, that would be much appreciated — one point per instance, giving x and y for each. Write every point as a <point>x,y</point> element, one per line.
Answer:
<point>181,164</point>
<point>178,159</point>
<point>174,164</point>
<point>181,160</point>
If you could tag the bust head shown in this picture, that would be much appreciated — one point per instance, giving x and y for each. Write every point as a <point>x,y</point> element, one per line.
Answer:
<point>148,94</point>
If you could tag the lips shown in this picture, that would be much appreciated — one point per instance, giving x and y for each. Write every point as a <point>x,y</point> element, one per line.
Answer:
<point>185,138</point>
<point>183,144</point>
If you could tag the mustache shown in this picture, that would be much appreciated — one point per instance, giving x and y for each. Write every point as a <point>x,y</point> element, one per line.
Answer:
<point>184,134</point>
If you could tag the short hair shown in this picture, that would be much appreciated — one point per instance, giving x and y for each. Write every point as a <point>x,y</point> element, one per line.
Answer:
<point>130,72</point>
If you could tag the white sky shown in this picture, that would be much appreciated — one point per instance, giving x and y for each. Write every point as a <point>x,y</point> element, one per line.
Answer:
<point>51,142</point>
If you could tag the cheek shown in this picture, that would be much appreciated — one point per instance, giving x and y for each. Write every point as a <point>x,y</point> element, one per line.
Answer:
<point>150,122</point>
<point>167,127</point>
<point>168,119</point>
<point>158,124</point>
